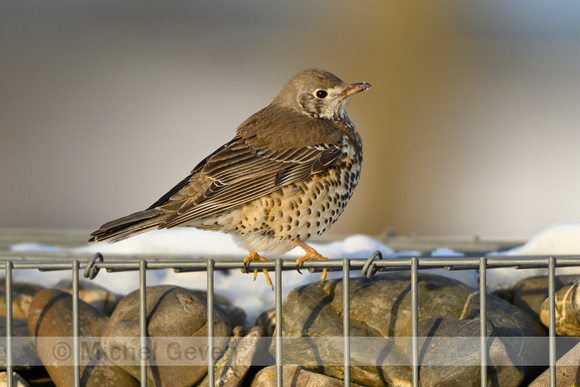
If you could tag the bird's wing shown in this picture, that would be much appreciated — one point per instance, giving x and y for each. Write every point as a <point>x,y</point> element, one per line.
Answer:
<point>238,173</point>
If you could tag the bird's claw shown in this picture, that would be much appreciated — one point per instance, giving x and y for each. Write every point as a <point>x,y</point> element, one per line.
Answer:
<point>256,257</point>
<point>310,254</point>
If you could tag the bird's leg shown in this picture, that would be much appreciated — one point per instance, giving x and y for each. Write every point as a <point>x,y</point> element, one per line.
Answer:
<point>310,254</point>
<point>256,257</point>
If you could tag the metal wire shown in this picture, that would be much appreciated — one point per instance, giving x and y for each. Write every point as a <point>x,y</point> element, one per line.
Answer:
<point>9,324</point>
<point>552,318</point>
<point>375,263</point>
<point>346,318</point>
<point>414,321</point>
<point>143,321</point>
<point>483,319</point>
<point>279,322</point>
<point>210,323</point>
<point>76,327</point>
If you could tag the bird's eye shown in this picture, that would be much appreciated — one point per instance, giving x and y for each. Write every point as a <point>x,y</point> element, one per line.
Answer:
<point>321,94</point>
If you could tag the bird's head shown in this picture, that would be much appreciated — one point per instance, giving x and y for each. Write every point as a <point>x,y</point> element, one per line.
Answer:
<point>319,94</point>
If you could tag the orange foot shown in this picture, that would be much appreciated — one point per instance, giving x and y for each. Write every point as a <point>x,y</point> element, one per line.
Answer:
<point>256,257</point>
<point>310,254</point>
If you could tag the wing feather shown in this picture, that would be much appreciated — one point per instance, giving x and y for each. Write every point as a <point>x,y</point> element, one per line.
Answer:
<point>239,173</point>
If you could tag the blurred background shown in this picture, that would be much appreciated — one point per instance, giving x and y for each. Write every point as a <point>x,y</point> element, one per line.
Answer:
<point>471,126</point>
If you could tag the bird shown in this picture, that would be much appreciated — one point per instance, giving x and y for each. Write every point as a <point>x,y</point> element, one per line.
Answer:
<point>286,176</point>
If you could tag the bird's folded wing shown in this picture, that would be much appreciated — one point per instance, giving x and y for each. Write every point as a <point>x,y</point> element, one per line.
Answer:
<point>239,173</point>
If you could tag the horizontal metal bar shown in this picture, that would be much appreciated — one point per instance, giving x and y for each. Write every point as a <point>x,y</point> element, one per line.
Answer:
<point>449,263</point>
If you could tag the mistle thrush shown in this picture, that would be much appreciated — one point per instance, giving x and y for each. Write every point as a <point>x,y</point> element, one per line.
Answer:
<point>286,176</point>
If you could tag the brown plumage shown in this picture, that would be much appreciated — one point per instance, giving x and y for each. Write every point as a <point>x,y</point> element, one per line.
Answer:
<point>287,175</point>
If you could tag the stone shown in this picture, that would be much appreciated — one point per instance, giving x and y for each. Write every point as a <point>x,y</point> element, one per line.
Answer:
<point>381,324</point>
<point>296,376</point>
<point>23,351</point>
<point>231,369</point>
<point>567,370</point>
<point>450,354</point>
<point>267,320</point>
<point>567,310</point>
<point>17,380</point>
<point>236,315</point>
<point>50,323</point>
<point>530,293</point>
<point>22,294</point>
<point>93,294</point>
<point>506,294</point>
<point>177,335</point>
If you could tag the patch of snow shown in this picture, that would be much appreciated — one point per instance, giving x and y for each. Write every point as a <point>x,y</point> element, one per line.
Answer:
<point>558,239</point>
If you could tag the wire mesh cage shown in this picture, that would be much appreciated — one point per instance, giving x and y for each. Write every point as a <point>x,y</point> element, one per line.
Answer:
<point>91,264</point>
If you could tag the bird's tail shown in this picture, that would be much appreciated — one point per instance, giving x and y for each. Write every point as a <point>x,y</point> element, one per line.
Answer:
<point>128,226</point>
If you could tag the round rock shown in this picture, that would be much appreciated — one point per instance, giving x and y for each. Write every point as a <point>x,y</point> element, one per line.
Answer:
<point>176,349</point>
<point>50,322</point>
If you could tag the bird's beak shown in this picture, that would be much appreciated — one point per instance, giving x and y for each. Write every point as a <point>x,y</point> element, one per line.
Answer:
<point>354,88</point>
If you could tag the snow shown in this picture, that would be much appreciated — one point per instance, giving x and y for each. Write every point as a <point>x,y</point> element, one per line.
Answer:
<point>256,297</point>
<point>558,239</point>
